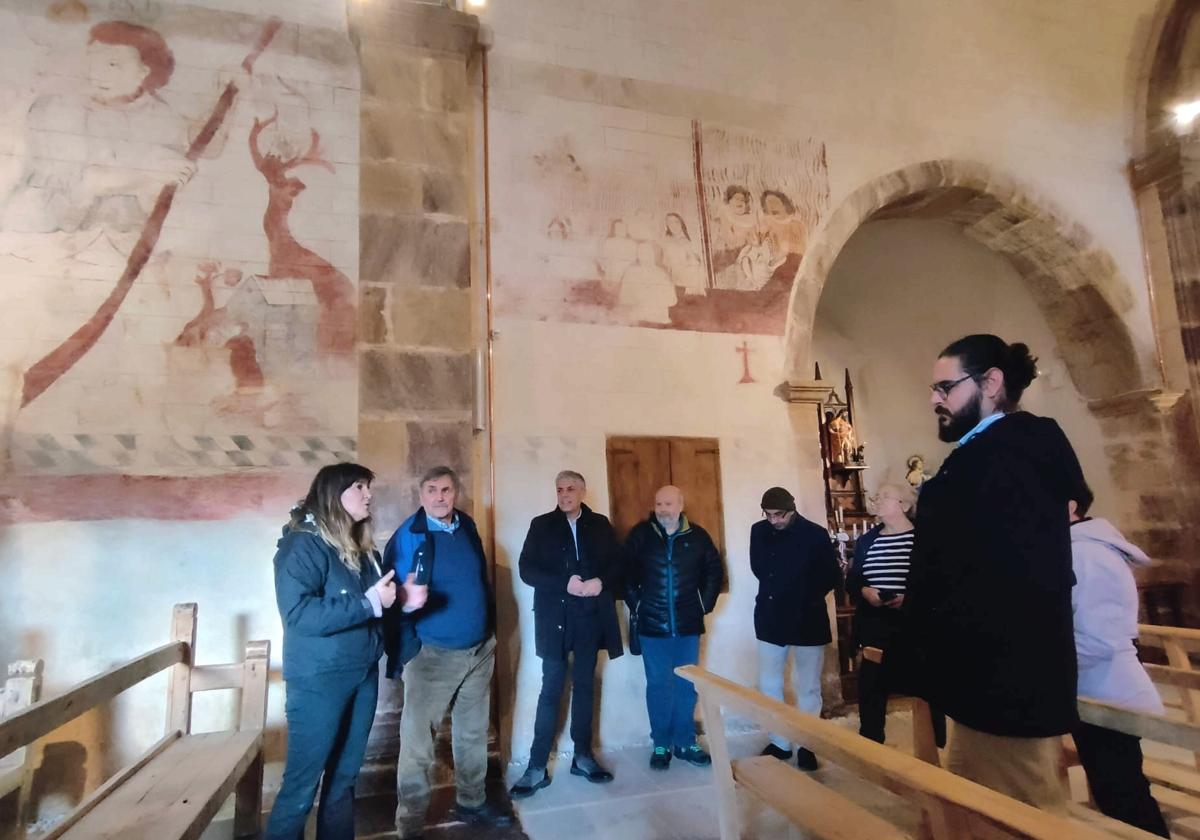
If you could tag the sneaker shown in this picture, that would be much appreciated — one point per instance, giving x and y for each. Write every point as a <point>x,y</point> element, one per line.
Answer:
<point>805,759</point>
<point>660,759</point>
<point>776,752</point>
<point>531,781</point>
<point>587,766</point>
<point>693,755</point>
<point>485,814</point>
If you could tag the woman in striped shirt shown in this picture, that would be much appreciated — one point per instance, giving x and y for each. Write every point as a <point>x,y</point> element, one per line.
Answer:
<point>876,583</point>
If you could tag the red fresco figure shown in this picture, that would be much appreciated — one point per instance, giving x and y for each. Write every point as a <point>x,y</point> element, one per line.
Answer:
<point>333,289</point>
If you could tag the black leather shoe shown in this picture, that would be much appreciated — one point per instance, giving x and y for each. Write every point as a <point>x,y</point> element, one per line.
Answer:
<point>805,759</point>
<point>587,766</point>
<point>776,752</point>
<point>531,781</point>
<point>485,814</point>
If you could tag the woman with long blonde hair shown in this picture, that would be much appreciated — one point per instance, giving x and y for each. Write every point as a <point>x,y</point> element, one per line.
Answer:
<point>331,592</point>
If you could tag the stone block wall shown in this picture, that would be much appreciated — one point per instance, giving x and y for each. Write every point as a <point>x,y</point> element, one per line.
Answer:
<point>416,329</point>
<point>417,337</point>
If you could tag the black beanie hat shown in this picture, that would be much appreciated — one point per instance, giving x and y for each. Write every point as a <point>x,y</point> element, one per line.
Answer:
<point>778,499</point>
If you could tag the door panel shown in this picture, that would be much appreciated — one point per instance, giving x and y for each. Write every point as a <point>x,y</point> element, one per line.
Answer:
<point>696,470</point>
<point>636,468</point>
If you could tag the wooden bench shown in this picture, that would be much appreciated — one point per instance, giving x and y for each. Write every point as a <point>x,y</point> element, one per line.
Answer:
<point>176,788</point>
<point>1175,785</point>
<point>952,807</point>
<point>22,689</point>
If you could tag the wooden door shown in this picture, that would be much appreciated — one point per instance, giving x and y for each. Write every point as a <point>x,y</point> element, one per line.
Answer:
<point>696,470</point>
<point>638,466</point>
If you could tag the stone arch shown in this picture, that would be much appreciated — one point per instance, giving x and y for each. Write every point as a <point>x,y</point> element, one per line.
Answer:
<point>1077,286</point>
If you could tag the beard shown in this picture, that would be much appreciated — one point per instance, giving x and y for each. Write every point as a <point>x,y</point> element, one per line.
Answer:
<point>667,522</point>
<point>953,425</point>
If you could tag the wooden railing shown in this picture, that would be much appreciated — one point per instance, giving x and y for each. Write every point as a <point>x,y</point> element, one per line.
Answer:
<point>953,807</point>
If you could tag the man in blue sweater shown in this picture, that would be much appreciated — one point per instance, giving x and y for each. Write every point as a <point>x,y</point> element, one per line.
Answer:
<point>447,650</point>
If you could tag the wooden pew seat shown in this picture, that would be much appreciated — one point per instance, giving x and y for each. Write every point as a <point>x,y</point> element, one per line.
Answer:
<point>808,804</point>
<point>176,794</point>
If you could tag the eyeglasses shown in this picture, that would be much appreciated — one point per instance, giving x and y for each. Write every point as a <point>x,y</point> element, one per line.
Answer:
<point>943,388</point>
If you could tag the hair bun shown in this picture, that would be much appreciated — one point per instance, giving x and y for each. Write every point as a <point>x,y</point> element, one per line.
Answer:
<point>1022,366</point>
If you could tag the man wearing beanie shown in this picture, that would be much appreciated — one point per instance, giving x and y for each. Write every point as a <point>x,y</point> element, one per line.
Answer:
<point>796,568</point>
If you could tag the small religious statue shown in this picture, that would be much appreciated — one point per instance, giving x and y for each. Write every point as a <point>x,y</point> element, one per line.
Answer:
<point>916,475</point>
<point>842,444</point>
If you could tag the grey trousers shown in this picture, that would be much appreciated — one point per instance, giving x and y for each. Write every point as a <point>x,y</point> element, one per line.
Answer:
<point>435,680</point>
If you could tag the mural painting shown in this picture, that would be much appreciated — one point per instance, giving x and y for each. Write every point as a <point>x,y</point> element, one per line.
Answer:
<point>709,239</point>
<point>176,306</point>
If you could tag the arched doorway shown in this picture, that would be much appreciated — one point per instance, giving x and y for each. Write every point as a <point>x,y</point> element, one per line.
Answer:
<point>1077,286</point>
<point>1082,297</point>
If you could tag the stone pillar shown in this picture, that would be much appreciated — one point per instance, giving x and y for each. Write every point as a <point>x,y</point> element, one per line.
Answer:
<point>1166,183</point>
<point>1150,442</point>
<point>805,399</point>
<point>416,330</point>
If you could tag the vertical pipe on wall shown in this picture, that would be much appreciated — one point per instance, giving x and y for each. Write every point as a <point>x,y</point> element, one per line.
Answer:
<point>489,323</point>
<point>482,260</point>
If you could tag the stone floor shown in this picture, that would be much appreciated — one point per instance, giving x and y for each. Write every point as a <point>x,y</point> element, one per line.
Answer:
<point>678,804</point>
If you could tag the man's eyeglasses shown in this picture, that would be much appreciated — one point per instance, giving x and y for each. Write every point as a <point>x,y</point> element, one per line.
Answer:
<point>943,388</point>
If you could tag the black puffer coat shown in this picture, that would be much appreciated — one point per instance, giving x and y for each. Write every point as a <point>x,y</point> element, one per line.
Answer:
<point>671,581</point>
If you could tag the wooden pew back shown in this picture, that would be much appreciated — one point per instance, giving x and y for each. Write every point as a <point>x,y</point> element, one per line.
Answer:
<point>954,807</point>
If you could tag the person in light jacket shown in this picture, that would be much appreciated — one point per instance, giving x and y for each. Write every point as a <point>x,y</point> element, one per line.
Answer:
<point>1104,601</point>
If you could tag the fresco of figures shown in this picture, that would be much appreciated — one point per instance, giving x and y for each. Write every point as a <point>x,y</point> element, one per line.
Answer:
<point>180,187</point>
<point>708,239</point>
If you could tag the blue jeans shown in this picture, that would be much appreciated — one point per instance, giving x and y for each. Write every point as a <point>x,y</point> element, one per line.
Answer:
<point>670,699</point>
<point>328,719</point>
